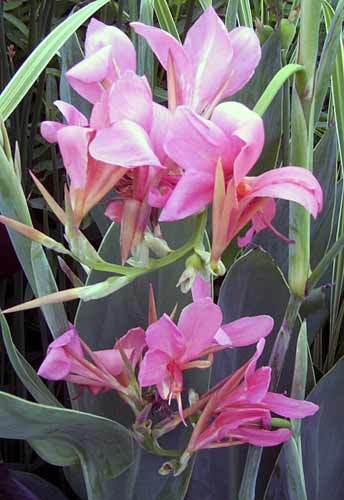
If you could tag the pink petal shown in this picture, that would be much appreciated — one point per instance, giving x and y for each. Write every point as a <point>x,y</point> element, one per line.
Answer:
<point>193,142</point>
<point>87,76</point>
<point>201,288</point>
<point>134,342</point>
<point>193,192</point>
<point>69,339</point>
<point>262,437</point>
<point>231,419</point>
<point>290,183</point>
<point>131,98</point>
<point>246,56</point>
<point>71,114</point>
<point>73,143</point>
<point>289,407</point>
<point>56,365</point>
<point>49,130</point>
<point>236,119</point>
<point>125,144</point>
<point>260,221</point>
<point>257,384</point>
<point>153,368</point>
<point>162,43</point>
<point>165,336</point>
<point>198,323</point>
<point>111,359</point>
<point>100,35</point>
<point>161,122</point>
<point>114,211</point>
<point>99,118</point>
<point>208,47</point>
<point>251,367</point>
<point>245,331</point>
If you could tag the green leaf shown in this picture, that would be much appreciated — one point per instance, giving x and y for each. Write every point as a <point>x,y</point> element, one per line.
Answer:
<point>13,204</point>
<point>40,488</point>
<point>275,86</point>
<point>34,65</point>
<point>165,18</point>
<point>245,14</point>
<point>58,436</point>
<point>231,14</point>
<point>329,53</point>
<point>205,3</point>
<point>23,369</point>
<point>145,59</point>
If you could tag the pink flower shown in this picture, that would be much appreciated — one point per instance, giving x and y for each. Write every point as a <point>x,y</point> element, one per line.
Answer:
<point>174,348</point>
<point>91,179</point>
<point>216,155</point>
<point>240,411</point>
<point>104,370</point>
<point>108,54</point>
<point>211,65</point>
<point>149,184</point>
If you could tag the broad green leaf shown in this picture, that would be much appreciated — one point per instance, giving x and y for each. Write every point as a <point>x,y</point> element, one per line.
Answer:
<point>253,285</point>
<point>145,63</point>
<point>165,18</point>
<point>28,73</point>
<point>23,369</point>
<point>62,437</point>
<point>322,444</point>
<point>16,485</point>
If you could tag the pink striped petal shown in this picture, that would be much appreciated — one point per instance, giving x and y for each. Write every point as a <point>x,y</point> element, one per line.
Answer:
<point>73,143</point>
<point>257,384</point>
<point>124,144</point>
<point>198,323</point>
<point>131,98</point>
<point>245,331</point>
<point>208,47</point>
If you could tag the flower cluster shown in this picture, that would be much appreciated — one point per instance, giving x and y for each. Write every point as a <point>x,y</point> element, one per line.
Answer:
<point>167,163</point>
<point>150,363</point>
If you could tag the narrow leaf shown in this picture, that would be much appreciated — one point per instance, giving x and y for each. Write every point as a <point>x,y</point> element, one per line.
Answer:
<point>165,18</point>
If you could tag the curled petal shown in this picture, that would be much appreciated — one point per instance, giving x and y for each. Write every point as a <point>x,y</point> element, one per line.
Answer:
<point>235,119</point>
<point>124,144</point>
<point>56,365</point>
<point>246,56</point>
<point>100,35</point>
<point>245,331</point>
<point>290,183</point>
<point>262,437</point>
<point>49,130</point>
<point>134,342</point>
<point>71,114</point>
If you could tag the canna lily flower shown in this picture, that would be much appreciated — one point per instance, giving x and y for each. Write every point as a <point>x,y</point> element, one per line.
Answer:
<point>149,184</point>
<point>241,411</point>
<point>174,348</point>
<point>210,66</point>
<point>91,179</point>
<point>109,53</point>
<point>216,155</point>
<point>104,370</point>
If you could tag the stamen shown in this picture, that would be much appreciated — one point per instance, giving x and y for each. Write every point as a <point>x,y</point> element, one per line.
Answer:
<point>275,231</point>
